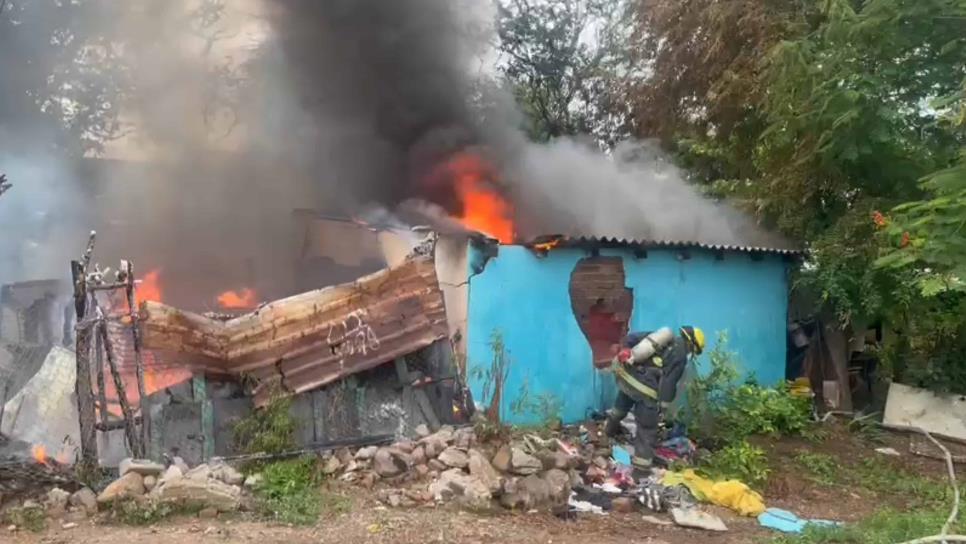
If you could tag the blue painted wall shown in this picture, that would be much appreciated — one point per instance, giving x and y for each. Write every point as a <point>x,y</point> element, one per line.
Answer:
<point>526,299</point>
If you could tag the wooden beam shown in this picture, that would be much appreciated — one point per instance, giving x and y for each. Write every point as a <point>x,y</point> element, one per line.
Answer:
<point>130,427</point>
<point>82,350</point>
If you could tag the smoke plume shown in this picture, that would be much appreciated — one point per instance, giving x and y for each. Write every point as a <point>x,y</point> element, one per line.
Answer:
<point>234,114</point>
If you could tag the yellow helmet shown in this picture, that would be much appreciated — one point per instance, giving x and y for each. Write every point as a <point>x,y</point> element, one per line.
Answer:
<point>695,336</point>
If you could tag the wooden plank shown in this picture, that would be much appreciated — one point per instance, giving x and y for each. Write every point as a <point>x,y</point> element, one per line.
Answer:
<point>199,388</point>
<point>82,349</point>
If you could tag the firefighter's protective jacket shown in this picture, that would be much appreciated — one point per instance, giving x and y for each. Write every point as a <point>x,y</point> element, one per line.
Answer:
<point>656,378</point>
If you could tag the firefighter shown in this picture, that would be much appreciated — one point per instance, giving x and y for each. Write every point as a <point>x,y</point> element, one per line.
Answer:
<point>648,387</point>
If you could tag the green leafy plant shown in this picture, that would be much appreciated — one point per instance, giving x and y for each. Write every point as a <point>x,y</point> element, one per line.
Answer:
<point>289,491</point>
<point>149,512</point>
<point>738,461</point>
<point>270,429</point>
<point>720,411</point>
<point>494,376</point>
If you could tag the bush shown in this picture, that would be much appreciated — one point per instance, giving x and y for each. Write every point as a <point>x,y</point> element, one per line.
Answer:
<point>739,461</point>
<point>719,410</point>
<point>289,491</point>
<point>270,429</point>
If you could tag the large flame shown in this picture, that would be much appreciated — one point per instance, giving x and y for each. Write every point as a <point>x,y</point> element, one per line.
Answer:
<point>484,209</point>
<point>245,298</point>
<point>149,287</point>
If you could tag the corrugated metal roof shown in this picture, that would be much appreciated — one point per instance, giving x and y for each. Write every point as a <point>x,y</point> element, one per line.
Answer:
<point>551,241</point>
<point>314,338</point>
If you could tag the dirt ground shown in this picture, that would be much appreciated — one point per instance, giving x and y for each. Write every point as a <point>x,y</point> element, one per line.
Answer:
<point>368,521</point>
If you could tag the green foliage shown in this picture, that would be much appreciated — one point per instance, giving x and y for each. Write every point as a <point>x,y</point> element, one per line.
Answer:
<point>723,411</point>
<point>881,476</point>
<point>289,491</point>
<point>33,519</point>
<point>494,376</point>
<point>822,468</point>
<point>739,461</point>
<point>269,429</point>
<point>883,527</point>
<point>565,60</point>
<point>139,514</point>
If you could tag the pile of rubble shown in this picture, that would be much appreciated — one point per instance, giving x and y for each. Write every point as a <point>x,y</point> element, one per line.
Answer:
<point>208,489</point>
<point>451,466</point>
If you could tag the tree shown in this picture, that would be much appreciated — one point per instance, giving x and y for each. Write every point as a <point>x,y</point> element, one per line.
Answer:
<point>814,119</point>
<point>566,61</point>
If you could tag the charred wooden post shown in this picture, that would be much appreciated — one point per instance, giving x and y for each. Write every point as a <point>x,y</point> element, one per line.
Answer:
<point>101,383</point>
<point>130,425</point>
<point>83,390</point>
<point>127,269</point>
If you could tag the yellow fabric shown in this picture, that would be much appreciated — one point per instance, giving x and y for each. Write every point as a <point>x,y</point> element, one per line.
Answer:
<point>801,388</point>
<point>729,493</point>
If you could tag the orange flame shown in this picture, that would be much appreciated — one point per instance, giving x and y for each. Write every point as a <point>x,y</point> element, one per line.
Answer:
<point>246,298</point>
<point>39,453</point>
<point>547,246</point>
<point>149,287</point>
<point>484,209</point>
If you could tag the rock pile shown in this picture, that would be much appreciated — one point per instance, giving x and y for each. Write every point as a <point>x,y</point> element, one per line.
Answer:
<point>450,466</point>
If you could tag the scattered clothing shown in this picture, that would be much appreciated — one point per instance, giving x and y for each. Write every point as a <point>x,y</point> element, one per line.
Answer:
<point>729,493</point>
<point>621,456</point>
<point>787,522</point>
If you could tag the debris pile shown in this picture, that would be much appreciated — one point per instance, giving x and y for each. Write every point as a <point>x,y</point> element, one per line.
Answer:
<point>208,489</point>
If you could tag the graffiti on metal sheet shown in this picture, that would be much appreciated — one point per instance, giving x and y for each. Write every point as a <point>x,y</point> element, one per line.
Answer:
<point>353,336</point>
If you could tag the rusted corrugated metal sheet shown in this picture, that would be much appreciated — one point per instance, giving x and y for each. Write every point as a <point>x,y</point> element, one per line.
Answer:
<point>314,338</point>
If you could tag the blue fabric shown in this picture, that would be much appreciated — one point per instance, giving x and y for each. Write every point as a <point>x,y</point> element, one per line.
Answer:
<point>621,456</point>
<point>787,522</point>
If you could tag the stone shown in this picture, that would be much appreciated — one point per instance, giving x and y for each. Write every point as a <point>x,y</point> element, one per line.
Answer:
<point>76,515</point>
<point>331,465</point>
<point>454,484</point>
<point>127,486</point>
<point>437,465</point>
<point>501,461</point>
<point>252,481</point>
<point>524,464</point>
<point>394,500</point>
<point>68,526</point>
<point>150,482</point>
<point>208,494</point>
<point>419,495</point>
<point>208,513</point>
<point>624,505</point>
<point>481,469</point>
<point>563,461</point>
<point>226,473</point>
<point>364,454</point>
<point>200,473</point>
<point>692,517</point>
<point>406,446</point>
<point>144,467</point>
<point>368,480</point>
<point>171,473</point>
<point>656,520</point>
<point>432,448</point>
<point>421,471</point>
<point>344,455</point>
<point>56,502</point>
<point>389,462</point>
<point>595,474</point>
<point>464,438</point>
<point>524,493</point>
<point>84,498</point>
<point>443,436</point>
<point>182,466</point>
<point>419,455</point>
<point>422,431</point>
<point>601,462</point>
<point>453,457</point>
<point>558,482</point>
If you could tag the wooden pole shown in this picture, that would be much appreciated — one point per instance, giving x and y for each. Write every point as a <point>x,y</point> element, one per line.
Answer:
<point>130,426</point>
<point>82,353</point>
<point>101,383</point>
<point>143,401</point>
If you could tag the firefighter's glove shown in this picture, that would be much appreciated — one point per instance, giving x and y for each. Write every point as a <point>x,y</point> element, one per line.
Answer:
<point>624,356</point>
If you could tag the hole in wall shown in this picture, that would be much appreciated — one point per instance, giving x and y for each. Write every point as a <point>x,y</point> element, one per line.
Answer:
<point>601,303</point>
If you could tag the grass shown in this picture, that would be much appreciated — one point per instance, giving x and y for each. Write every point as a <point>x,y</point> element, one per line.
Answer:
<point>884,527</point>
<point>290,492</point>
<point>741,461</point>
<point>822,468</point>
<point>33,518</point>
<point>139,514</point>
<point>887,478</point>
